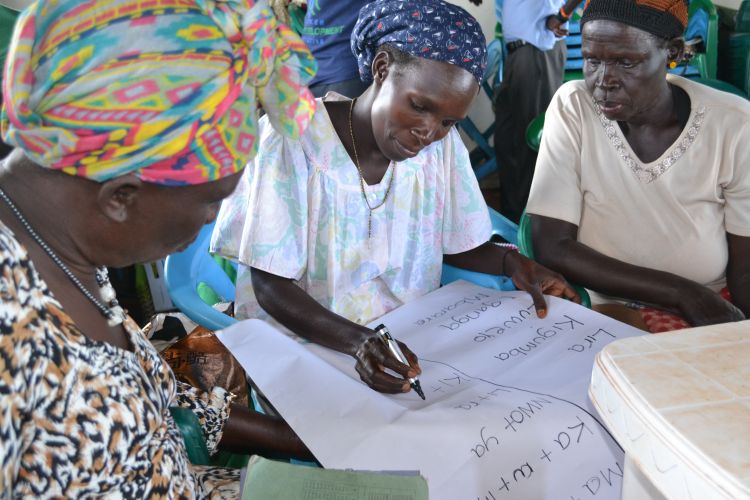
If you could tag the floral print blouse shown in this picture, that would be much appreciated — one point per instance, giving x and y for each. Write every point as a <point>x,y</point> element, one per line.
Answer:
<point>82,418</point>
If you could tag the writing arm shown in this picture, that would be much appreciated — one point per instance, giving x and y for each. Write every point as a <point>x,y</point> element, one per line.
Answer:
<point>297,310</point>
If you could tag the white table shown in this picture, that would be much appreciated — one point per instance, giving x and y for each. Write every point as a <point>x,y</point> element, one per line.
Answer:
<point>679,405</point>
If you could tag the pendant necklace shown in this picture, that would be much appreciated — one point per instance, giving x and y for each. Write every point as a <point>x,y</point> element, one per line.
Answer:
<point>370,208</point>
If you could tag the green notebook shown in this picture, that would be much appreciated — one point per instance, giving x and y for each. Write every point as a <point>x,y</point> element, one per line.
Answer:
<point>269,480</point>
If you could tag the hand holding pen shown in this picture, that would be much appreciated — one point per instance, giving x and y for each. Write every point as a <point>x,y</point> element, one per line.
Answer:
<point>379,368</point>
<point>395,349</point>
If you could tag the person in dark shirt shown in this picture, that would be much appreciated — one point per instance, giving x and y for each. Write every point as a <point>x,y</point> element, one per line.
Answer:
<point>327,31</point>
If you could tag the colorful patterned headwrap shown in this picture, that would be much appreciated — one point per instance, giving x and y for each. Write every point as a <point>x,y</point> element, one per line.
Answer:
<point>165,89</point>
<point>432,29</point>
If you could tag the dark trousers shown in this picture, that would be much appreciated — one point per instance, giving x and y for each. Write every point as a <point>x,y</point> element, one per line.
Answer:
<point>530,79</point>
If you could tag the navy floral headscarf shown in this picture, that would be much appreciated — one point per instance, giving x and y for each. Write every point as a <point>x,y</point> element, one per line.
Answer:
<point>432,29</point>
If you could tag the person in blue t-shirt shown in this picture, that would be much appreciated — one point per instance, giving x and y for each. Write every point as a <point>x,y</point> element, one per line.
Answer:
<point>328,28</point>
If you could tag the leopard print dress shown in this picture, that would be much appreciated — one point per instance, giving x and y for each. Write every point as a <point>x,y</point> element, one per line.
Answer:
<point>81,418</point>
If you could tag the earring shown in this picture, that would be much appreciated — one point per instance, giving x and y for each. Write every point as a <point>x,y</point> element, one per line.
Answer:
<point>672,64</point>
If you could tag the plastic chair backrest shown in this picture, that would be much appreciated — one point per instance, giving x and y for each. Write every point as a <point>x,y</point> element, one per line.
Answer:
<point>185,271</point>
<point>574,61</point>
<point>483,156</point>
<point>742,21</point>
<point>526,247</point>
<point>705,20</point>
<point>503,227</point>
<point>195,444</point>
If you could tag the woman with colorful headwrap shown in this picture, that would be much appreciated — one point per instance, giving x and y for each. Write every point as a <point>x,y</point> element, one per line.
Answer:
<point>355,217</point>
<point>642,186</point>
<point>131,121</point>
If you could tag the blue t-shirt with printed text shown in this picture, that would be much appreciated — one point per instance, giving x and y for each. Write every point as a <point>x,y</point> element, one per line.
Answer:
<point>328,27</point>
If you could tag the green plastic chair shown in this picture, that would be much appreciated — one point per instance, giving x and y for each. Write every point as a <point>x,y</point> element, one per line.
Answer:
<point>707,61</point>
<point>526,247</point>
<point>7,22</point>
<point>187,423</point>
<point>742,19</point>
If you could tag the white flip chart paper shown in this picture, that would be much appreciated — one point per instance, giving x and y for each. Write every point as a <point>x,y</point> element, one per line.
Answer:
<point>507,414</point>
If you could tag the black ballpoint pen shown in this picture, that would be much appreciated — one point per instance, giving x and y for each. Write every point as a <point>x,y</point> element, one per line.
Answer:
<point>385,336</point>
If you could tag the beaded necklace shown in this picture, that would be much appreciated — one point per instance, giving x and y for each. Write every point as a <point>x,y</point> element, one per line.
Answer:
<point>113,312</point>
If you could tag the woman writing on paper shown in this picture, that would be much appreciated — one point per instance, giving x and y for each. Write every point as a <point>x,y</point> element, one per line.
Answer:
<point>356,217</point>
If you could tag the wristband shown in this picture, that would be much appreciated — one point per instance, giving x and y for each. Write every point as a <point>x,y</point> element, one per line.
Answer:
<point>563,14</point>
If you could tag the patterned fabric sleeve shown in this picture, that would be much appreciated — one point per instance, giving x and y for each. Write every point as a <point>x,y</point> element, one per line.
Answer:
<point>466,223</point>
<point>263,224</point>
<point>217,483</point>
<point>17,367</point>
<point>211,408</point>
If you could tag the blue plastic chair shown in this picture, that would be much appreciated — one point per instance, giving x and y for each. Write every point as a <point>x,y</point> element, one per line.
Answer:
<point>574,61</point>
<point>186,270</point>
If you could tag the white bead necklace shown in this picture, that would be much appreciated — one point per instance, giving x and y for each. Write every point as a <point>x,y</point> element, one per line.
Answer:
<point>112,311</point>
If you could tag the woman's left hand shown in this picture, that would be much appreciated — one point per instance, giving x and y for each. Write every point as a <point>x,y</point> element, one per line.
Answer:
<point>536,279</point>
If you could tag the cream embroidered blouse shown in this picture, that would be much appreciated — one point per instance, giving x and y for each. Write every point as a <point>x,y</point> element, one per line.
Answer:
<point>671,214</point>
